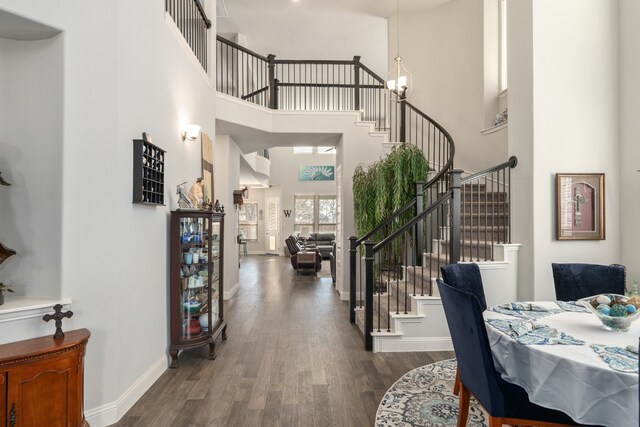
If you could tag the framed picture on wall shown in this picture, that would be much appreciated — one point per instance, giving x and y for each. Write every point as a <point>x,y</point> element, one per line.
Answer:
<point>580,206</point>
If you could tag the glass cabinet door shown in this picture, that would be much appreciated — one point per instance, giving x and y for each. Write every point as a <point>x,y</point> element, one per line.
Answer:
<point>195,297</point>
<point>215,270</point>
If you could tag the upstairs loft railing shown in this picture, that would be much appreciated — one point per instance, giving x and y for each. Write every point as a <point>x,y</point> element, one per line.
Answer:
<point>191,19</point>
<point>309,85</point>
<point>464,222</point>
<point>329,85</point>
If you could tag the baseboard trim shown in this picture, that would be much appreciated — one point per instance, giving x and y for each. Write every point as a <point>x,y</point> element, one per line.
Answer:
<point>394,344</point>
<point>111,413</point>
<point>344,296</point>
<point>256,252</point>
<point>228,294</point>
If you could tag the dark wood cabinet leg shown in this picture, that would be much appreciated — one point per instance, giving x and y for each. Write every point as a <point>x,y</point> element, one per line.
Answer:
<point>224,333</point>
<point>212,351</point>
<point>174,359</point>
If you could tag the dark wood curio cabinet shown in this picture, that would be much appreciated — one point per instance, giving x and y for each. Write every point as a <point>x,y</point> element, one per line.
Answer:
<point>196,281</point>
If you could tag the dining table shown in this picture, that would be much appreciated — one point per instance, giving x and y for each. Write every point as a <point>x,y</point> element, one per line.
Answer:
<point>573,373</point>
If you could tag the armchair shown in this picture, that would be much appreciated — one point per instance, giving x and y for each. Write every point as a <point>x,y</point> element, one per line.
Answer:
<point>294,246</point>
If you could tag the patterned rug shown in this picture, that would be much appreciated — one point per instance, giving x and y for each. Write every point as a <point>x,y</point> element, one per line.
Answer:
<point>424,397</point>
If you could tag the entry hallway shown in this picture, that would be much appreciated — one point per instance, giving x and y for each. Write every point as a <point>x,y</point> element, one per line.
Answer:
<point>292,359</point>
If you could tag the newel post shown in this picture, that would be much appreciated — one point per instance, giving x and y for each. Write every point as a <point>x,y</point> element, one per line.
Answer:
<point>356,83</point>
<point>419,227</point>
<point>273,83</point>
<point>368,299</point>
<point>454,230</point>
<point>352,278</point>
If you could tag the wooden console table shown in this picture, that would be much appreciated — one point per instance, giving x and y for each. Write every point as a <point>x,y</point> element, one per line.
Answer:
<point>41,381</point>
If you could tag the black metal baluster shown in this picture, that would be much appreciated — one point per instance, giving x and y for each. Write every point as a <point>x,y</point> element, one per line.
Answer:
<point>379,289</point>
<point>389,289</point>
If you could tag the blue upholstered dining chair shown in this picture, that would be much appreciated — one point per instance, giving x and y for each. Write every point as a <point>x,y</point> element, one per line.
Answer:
<point>575,281</point>
<point>465,277</point>
<point>505,402</point>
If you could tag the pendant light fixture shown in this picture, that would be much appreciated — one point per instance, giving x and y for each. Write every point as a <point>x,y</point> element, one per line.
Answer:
<point>398,78</point>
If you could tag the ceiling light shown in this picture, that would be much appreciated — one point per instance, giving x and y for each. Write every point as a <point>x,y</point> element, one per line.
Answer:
<point>398,78</point>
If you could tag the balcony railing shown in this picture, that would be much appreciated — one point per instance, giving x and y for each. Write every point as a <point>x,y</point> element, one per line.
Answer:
<point>192,21</point>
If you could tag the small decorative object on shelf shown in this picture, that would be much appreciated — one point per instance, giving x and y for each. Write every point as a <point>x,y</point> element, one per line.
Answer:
<point>2,181</point>
<point>196,281</point>
<point>501,118</point>
<point>217,207</point>
<point>196,193</point>
<point>183,199</point>
<point>58,315</point>
<point>148,172</point>
<point>4,288</point>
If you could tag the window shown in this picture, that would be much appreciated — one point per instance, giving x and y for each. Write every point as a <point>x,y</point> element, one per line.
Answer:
<point>327,213</point>
<point>314,150</point>
<point>249,220</point>
<point>317,213</point>
<point>304,213</point>
<point>503,45</point>
<point>302,150</point>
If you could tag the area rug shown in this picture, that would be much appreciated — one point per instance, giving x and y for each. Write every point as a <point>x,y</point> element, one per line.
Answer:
<point>424,397</point>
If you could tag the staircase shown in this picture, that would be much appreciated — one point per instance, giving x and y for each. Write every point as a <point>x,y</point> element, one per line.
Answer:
<point>408,315</point>
<point>393,292</point>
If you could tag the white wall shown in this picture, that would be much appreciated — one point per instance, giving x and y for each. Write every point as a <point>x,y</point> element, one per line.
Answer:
<point>444,50</point>
<point>31,160</point>
<point>319,33</point>
<point>226,164</point>
<point>520,137</point>
<point>629,16</point>
<point>574,123</point>
<point>118,81</point>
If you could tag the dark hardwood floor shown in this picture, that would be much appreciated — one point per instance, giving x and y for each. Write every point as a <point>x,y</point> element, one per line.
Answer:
<point>292,359</point>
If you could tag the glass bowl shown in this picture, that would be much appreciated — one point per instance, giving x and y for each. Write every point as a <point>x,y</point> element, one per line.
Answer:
<point>612,323</point>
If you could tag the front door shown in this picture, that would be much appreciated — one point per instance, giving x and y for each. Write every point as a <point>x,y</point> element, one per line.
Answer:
<point>272,228</point>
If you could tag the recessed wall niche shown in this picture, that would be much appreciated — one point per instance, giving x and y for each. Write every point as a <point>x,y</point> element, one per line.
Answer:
<point>31,144</point>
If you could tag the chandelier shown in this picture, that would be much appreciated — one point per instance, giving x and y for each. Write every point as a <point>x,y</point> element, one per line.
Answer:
<point>398,78</point>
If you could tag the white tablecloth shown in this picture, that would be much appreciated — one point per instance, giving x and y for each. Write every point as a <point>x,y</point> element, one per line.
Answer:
<point>571,378</point>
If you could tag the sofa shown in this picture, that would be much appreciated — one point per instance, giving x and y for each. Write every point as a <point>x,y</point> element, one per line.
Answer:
<point>323,242</point>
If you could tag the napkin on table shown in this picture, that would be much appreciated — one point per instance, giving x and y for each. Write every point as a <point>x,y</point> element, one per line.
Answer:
<point>532,333</point>
<point>618,358</point>
<point>524,310</point>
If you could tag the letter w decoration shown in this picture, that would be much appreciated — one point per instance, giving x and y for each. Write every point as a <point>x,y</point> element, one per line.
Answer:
<point>287,212</point>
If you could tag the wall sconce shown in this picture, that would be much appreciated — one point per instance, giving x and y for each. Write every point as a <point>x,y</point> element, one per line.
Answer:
<point>190,132</point>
